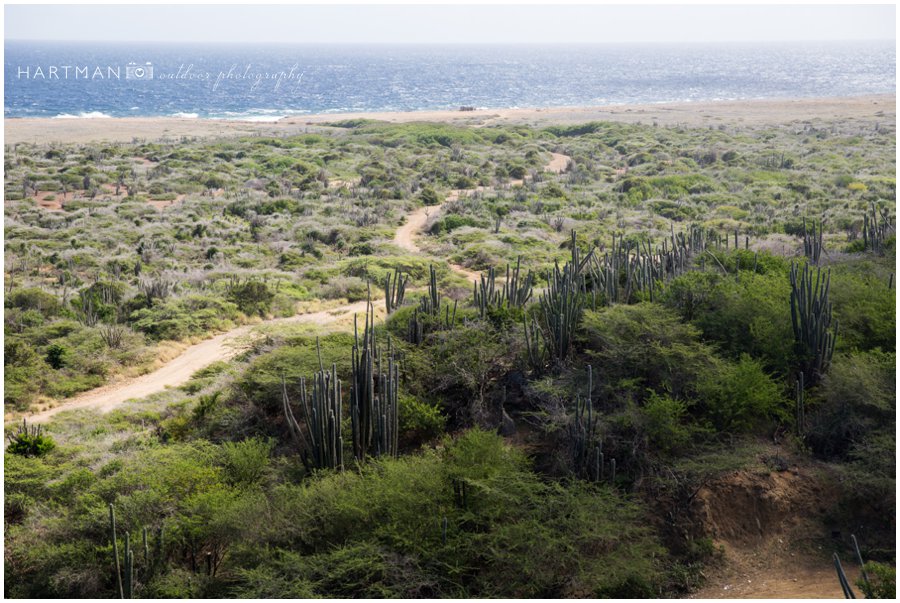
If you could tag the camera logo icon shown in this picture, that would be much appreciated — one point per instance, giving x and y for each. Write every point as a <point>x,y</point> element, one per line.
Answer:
<point>133,71</point>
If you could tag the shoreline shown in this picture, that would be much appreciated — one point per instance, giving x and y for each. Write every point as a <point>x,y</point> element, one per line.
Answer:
<point>44,130</point>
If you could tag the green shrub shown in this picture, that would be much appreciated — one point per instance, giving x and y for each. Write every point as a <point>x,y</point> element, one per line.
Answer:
<point>855,399</point>
<point>178,318</point>
<point>56,356</point>
<point>460,366</point>
<point>30,442</point>
<point>665,420</point>
<point>379,532</point>
<point>252,298</point>
<point>24,373</point>
<point>428,196</point>
<point>261,383</point>
<point>882,582</point>
<point>864,306</point>
<point>746,316</point>
<point>451,222</point>
<point>644,346</point>
<point>245,461</point>
<point>33,299</point>
<point>419,421</point>
<point>738,396</point>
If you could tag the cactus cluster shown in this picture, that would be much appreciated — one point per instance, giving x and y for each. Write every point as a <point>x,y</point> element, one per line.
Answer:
<point>321,441</point>
<point>373,394</point>
<point>560,309</point>
<point>415,331</point>
<point>431,303</point>
<point>625,269</point>
<point>515,292</point>
<point>583,430</point>
<point>622,270</point>
<point>374,413</point>
<point>877,227</point>
<point>631,266</point>
<point>394,290</point>
<point>588,459</point>
<point>812,241</point>
<point>814,336</point>
<point>431,313</point>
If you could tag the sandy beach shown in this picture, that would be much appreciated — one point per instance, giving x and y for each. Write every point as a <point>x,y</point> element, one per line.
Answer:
<point>752,112</point>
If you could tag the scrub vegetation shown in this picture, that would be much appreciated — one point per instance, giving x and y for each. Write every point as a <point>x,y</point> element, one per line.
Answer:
<point>679,309</point>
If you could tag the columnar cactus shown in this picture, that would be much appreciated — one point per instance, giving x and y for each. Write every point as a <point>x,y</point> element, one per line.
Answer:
<point>415,329</point>
<point>373,394</point>
<point>560,311</point>
<point>877,226</point>
<point>394,290</point>
<point>534,345</point>
<point>321,441</point>
<point>115,545</point>
<point>842,578</point>
<point>814,336</point>
<point>129,568</point>
<point>585,448</point>
<point>516,291</point>
<point>812,241</point>
<point>431,304</point>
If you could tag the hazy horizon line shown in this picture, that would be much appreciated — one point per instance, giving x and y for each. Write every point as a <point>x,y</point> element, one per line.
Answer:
<point>499,43</point>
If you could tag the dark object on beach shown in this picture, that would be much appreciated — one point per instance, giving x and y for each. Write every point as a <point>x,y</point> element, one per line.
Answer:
<point>466,108</point>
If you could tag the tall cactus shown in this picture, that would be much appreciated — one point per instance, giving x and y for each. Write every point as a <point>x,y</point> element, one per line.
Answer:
<point>394,290</point>
<point>431,304</point>
<point>534,345</point>
<point>321,441</point>
<point>585,448</point>
<point>864,576</point>
<point>415,332</point>
<point>485,293</point>
<point>814,336</point>
<point>129,568</point>
<point>842,577</point>
<point>877,226</point>
<point>115,546</point>
<point>560,310</point>
<point>516,290</point>
<point>812,241</point>
<point>373,394</point>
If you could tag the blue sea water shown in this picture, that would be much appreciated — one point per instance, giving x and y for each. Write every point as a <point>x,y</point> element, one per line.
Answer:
<point>269,82</point>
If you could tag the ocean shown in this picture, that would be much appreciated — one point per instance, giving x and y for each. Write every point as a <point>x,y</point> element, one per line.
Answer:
<point>266,83</point>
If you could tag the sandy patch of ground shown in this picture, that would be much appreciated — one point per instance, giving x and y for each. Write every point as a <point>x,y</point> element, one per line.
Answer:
<point>752,112</point>
<point>771,525</point>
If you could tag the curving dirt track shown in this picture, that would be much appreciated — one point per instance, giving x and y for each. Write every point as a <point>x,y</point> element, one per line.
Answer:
<point>226,345</point>
<point>179,370</point>
<point>409,232</point>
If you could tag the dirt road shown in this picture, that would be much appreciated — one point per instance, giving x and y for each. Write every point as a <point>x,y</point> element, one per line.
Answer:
<point>226,345</point>
<point>179,370</point>
<point>409,232</point>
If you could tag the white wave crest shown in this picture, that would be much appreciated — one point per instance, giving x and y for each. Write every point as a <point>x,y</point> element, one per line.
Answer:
<point>83,115</point>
